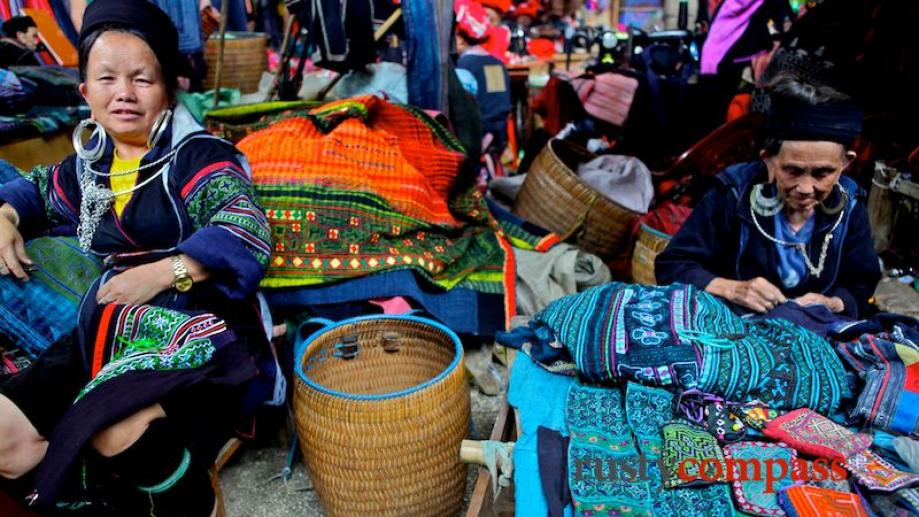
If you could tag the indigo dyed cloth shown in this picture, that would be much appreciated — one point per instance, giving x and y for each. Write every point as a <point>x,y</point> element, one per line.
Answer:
<point>890,398</point>
<point>650,334</point>
<point>37,313</point>
<point>184,14</point>
<point>539,398</point>
<point>816,318</point>
<point>780,364</point>
<point>463,310</point>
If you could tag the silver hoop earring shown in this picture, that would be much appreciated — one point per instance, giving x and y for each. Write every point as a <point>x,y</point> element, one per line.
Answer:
<point>843,201</point>
<point>763,205</point>
<point>98,134</point>
<point>159,127</point>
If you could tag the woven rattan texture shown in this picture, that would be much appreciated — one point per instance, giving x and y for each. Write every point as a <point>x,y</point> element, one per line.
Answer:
<point>391,456</point>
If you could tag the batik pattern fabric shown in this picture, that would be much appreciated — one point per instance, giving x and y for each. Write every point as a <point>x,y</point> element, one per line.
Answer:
<point>890,369</point>
<point>653,335</point>
<point>37,313</point>
<point>778,364</point>
<point>810,501</point>
<point>647,409</point>
<point>692,456</point>
<point>872,472</point>
<point>814,434</point>
<point>134,338</point>
<point>603,462</point>
<point>749,487</point>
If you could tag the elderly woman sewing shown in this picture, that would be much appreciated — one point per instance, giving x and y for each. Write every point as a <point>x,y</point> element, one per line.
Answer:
<point>790,226</point>
<point>153,380</point>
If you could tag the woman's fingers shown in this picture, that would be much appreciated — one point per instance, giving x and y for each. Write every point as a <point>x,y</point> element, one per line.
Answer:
<point>11,264</point>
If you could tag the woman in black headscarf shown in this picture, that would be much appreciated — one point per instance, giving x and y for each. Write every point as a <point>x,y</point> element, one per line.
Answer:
<point>153,381</point>
<point>790,227</point>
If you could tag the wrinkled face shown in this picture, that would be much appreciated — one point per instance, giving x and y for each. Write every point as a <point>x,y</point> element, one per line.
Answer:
<point>29,38</point>
<point>124,86</point>
<point>804,172</point>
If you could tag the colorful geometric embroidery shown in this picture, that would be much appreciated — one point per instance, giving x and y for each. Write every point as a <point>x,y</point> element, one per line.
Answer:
<point>145,337</point>
<point>816,435</point>
<point>603,463</point>
<point>781,364</point>
<point>647,410</point>
<point>692,456</point>
<point>760,471</point>
<point>221,195</point>
<point>876,474</point>
<point>809,501</point>
<point>890,398</point>
<point>628,331</point>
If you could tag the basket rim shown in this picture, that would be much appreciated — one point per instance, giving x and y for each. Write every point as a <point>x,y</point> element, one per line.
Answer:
<point>655,232</point>
<point>308,343</point>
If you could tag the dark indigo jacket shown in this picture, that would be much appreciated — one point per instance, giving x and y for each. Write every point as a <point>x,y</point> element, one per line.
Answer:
<point>720,240</point>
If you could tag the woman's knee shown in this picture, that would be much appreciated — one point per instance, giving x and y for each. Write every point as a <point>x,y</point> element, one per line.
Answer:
<point>117,438</point>
<point>21,447</point>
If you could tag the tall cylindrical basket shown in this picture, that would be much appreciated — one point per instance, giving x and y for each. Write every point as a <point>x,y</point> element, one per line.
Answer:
<point>382,406</point>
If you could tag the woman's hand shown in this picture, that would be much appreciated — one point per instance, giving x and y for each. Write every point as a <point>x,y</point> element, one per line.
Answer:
<point>13,257</point>
<point>137,285</point>
<point>833,303</point>
<point>757,294</point>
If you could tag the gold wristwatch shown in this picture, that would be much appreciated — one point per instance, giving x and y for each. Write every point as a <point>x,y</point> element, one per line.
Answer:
<point>183,281</point>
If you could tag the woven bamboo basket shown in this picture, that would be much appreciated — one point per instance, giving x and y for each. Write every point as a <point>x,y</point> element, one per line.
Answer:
<point>244,60</point>
<point>381,432</point>
<point>555,198</point>
<point>649,244</point>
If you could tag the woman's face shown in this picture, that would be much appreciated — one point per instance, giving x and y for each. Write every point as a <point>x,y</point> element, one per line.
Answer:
<point>124,87</point>
<point>804,172</point>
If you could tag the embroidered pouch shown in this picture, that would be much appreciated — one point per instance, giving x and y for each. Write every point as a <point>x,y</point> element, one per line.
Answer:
<point>756,492</point>
<point>811,501</point>
<point>691,456</point>
<point>814,434</point>
<point>876,474</point>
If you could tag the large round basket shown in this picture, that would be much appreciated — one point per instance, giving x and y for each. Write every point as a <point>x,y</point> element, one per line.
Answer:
<point>649,244</point>
<point>244,60</point>
<point>555,198</point>
<point>382,407</point>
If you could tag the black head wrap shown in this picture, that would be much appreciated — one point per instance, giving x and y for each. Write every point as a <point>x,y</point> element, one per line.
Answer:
<point>831,122</point>
<point>144,17</point>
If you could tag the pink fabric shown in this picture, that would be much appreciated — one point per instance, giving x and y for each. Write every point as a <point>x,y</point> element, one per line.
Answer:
<point>608,96</point>
<point>397,305</point>
<point>729,25</point>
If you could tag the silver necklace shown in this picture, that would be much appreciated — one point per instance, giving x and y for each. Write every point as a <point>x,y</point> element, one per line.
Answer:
<point>166,157</point>
<point>97,200</point>
<point>802,247</point>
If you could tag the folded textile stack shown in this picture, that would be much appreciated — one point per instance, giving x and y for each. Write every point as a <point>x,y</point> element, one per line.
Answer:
<point>363,186</point>
<point>733,414</point>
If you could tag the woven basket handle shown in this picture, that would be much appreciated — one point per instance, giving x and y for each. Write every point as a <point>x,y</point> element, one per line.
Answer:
<point>579,224</point>
<point>304,332</point>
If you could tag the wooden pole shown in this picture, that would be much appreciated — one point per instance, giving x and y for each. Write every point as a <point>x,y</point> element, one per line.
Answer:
<point>224,13</point>
<point>614,15</point>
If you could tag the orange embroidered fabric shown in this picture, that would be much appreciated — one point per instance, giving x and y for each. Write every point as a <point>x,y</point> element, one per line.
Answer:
<point>385,151</point>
